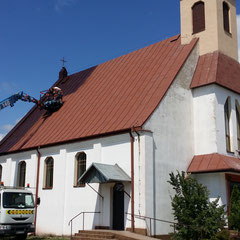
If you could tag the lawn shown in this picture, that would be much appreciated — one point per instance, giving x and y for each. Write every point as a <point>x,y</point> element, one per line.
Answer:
<point>40,238</point>
<point>47,238</point>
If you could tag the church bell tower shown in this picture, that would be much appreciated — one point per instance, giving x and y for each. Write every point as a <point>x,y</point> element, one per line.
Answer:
<point>214,22</point>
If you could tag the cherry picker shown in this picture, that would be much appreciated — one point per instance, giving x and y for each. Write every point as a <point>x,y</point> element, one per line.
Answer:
<point>50,100</point>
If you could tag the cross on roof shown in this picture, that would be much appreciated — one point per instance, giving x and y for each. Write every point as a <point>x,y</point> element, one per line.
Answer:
<point>63,61</point>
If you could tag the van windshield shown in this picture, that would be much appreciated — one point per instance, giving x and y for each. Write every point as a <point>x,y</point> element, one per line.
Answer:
<point>17,200</point>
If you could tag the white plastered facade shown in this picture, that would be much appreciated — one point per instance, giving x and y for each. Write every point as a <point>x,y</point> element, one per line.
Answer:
<point>186,123</point>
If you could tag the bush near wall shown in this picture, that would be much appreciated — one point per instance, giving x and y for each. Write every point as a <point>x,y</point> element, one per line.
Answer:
<point>197,217</point>
<point>234,215</point>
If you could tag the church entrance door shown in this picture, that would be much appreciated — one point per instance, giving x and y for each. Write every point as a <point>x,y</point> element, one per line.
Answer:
<point>118,206</point>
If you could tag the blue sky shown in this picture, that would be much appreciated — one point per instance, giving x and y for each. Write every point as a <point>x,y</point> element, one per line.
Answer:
<point>35,35</point>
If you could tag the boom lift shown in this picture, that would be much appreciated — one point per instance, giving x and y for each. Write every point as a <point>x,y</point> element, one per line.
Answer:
<point>50,100</point>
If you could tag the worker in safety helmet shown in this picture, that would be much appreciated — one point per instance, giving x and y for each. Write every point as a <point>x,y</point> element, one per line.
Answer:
<point>54,98</point>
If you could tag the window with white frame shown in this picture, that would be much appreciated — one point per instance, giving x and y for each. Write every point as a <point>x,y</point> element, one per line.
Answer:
<point>80,168</point>
<point>238,123</point>
<point>227,113</point>
<point>21,174</point>
<point>0,173</point>
<point>48,173</point>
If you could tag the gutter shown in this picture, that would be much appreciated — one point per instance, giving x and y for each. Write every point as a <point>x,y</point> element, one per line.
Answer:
<point>86,138</point>
<point>132,181</point>
<point>37,186</point>
<point>133,129</point>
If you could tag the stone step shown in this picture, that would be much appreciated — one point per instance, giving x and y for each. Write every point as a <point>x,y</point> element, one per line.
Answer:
<point>90,238</point>
<point>93,234</point>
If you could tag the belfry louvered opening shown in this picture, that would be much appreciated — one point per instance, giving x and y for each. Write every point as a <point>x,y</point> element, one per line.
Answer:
<point>226,22</point>
<point>198,16</point>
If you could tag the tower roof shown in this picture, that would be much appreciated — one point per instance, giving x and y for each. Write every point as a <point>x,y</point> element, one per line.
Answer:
<point>219,69</point>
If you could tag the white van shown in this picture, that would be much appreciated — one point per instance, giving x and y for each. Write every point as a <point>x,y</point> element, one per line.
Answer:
<point>16,212</point>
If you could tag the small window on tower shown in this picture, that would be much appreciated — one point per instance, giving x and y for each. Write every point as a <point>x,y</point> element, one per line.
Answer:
<point>198,15</point>
<point>226,22</point>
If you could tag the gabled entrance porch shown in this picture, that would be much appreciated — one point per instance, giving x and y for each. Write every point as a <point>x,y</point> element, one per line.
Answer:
<point>113,192</point>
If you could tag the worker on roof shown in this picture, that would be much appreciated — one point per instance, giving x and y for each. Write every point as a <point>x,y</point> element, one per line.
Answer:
<point>52,99</point>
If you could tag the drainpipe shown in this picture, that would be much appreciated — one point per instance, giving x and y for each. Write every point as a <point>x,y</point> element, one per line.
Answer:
<point>37,186</point>
<point>132,181</point>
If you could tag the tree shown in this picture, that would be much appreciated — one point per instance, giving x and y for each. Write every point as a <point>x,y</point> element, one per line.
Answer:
<point>234,215</point>
<point>197,217</point>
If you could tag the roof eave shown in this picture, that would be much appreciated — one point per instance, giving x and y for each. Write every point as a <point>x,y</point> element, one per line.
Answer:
<point>107,134</point>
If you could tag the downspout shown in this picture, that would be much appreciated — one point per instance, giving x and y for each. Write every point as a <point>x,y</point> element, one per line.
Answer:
<point>37,186</point>
<point>132,181</point>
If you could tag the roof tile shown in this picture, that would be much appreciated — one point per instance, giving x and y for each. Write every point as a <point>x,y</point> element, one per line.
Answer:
<point>214,163</point>
<point>111,97</point>
<point>217,68</point>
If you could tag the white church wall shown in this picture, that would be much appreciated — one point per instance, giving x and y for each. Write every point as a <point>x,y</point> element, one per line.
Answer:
<point>173,141</point>
<point>221,95</point>
<point>10,168</point>
<point>65,200</point>
<point>209,122</point>
<point>216,184</point>
<point>204,108</point>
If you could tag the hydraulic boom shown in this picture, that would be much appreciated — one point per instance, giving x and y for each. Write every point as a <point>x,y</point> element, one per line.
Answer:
<point>50,100</point>
<point>14,98</point>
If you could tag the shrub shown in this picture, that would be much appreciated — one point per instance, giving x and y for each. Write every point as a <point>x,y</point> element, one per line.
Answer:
<point>234,215</point>
<point>197,217</point>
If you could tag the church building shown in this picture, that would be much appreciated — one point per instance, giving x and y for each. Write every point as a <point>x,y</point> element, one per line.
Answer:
<point>127,123</point>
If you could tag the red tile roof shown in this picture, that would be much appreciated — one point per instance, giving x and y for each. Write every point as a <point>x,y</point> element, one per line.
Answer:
<point>217,68</point>
<point>214,163</point>
<point>108,98</point>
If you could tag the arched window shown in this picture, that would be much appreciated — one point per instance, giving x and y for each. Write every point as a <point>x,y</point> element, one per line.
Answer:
<point>0,173</point>
<point>238,123</point>
<point>49,164</point>
<point>198,16</point>
<point>227,112</point>
<point>21,174</point>
<point>80,168</point>
<point>226,22</point>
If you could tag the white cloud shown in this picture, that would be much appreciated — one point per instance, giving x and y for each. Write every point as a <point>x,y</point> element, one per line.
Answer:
<point>4,130</point>
<point>7,127</point>
<point>238,27</point>
<point>1,136</point>
<point>60,4</point>
<point>7,87</point>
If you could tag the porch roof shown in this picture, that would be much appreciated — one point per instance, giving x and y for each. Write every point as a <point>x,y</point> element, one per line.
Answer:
<point>214,163</point>
<point>104,173</point>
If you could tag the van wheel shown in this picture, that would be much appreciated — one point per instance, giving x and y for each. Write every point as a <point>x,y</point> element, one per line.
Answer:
<point>21,236</point>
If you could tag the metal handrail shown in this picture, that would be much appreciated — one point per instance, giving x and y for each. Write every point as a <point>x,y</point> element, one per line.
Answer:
<point>70,222</point>
<point>151,218</point>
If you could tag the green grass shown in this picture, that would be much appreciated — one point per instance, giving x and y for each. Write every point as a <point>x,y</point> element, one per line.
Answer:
<point>40,238</point>
<point>48,238</point>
